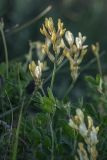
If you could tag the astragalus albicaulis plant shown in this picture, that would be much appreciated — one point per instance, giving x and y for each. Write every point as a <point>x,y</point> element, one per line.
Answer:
<point>42,126</point>
<point>57,51</point>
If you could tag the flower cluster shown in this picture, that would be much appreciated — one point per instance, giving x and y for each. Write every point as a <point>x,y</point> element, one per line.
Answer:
<point>88,132</point>
<point>36,72</point>
<point>54,38</point>
<point>50,32</point>
<point>74,51</point>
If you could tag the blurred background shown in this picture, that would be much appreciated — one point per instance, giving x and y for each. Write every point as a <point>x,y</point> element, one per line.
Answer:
<point>86,16</point>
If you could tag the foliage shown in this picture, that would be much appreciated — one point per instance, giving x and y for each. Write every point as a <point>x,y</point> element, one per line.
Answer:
<point>34,123</point>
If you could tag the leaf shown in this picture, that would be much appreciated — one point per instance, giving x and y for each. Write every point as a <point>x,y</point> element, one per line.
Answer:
<point>41,120</point>
<point>50,94</point>
<point>47,142</point>
<point>47,104</point>
<point>90,80</point>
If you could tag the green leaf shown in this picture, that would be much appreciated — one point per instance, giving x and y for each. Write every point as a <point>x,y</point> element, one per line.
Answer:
<point>48,105</point>
<point>47,142</point>
<point>50,94</point>
<point>90,80</point>
<point>41,120</point>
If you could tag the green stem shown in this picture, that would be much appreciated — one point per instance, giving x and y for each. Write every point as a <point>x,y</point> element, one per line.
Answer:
<point>70,88</point>
<point>10,108</point>
<point>9,112</point>
<point>52,137</point>
<point>53,76</point>
<point>42,90</point>
<point>57,69</point>
<point>99,65</point>
<point>5,49</point>
<point>31,98</point>
<point>15,145</point>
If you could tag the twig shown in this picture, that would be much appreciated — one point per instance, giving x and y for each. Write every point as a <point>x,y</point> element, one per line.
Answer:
<point>27,24</point>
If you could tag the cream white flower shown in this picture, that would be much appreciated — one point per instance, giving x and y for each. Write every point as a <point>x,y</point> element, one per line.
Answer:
<point>80,40</point>
<point>72,124</point>
<point>69,38</point>
<point>80,114</point>
<point>47,42</point>
<point>83,130</point>
<point>90,122</point>
<point>89,134</point>
<point>93,136</point>
<point>36,70</point>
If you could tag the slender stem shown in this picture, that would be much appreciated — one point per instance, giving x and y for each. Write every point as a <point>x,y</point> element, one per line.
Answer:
<point>31,98</point>
<point>5,49</point>
<point>52,137</point>
<point>53,76</point>
<point>70,88</point>
<point>9,112</point>
<point>10,108</point>
<point>19,81</point>
<point>15,145</point>
<point>42,90</point>
<point>92,61</point>
<point>57,69</point>
<point>99,65</point>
